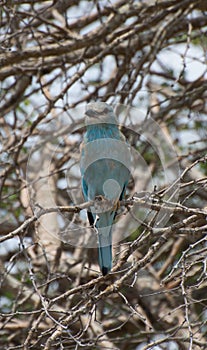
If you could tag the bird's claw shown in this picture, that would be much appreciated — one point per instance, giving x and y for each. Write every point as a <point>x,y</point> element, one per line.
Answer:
<point>102,204</point>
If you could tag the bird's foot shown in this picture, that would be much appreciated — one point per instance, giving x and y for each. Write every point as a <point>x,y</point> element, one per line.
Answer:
<point>102,204</point>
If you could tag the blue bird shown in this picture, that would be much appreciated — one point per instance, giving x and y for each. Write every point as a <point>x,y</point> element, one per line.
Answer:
<point>105,164</point>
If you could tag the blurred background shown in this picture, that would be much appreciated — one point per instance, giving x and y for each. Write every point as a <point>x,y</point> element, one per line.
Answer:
<point>148,59</point>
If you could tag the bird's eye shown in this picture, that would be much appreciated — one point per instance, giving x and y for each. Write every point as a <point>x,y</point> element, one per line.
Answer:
<point>90,113</point>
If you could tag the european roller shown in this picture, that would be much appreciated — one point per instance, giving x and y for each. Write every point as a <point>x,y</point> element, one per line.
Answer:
<point>105,172</point>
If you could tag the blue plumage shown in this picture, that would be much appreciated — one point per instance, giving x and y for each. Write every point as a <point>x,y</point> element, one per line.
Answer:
<point>105,162</point>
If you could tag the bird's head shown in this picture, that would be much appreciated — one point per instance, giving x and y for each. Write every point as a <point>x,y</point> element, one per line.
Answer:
<point>100,112</point>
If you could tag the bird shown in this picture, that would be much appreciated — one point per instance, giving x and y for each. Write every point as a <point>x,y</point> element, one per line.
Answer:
<point>105,173</point>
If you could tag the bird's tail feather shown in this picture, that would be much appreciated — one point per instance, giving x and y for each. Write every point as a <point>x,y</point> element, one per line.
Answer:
<point>105,253</point>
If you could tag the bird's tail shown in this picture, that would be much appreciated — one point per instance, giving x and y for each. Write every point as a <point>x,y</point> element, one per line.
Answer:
<point>105,252</point>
